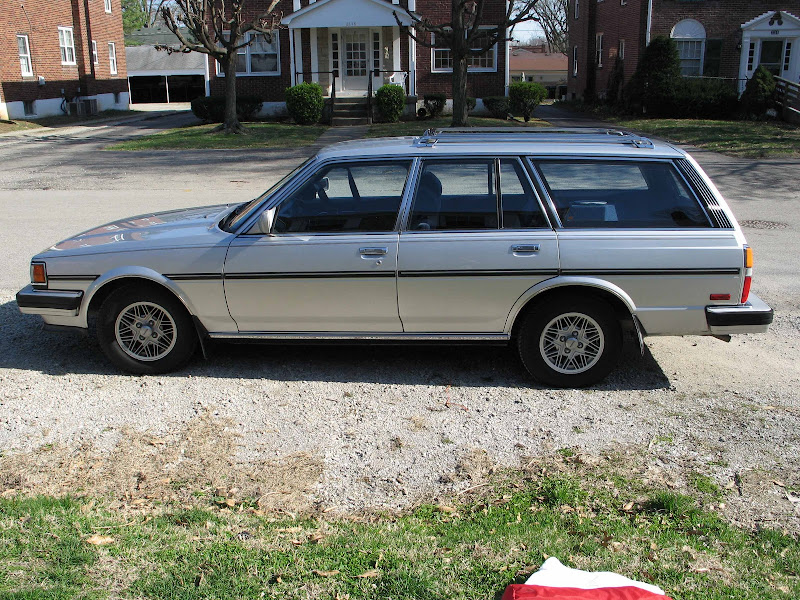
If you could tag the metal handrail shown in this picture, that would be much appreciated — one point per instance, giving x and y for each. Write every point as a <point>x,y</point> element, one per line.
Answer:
<point>333,73</point>
<point>539,134</point>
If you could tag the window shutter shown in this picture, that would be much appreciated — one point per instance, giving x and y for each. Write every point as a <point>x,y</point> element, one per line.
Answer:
<point>713,58</point>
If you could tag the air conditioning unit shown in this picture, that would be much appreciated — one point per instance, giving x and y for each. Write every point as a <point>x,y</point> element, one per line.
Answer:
<point>83,108</point>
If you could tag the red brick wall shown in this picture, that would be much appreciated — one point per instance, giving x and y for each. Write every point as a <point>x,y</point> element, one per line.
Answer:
<point>46,16</point>
<point>722,20</point>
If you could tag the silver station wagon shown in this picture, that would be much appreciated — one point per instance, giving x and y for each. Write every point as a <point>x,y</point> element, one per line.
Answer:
<point>557,241</point>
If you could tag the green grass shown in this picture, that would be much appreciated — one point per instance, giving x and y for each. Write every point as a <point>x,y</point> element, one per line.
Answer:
<point>746,139</point>
<point>468,550</point>
<point>199,137</point>
<point>417,127</point>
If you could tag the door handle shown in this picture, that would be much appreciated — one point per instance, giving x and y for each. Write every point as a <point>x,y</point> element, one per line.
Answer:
<point>373,251</point>
<point>525,248</point>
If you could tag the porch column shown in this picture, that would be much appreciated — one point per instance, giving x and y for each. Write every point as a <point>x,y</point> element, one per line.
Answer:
<point>743,60</point>
<point>297,63</point>
<point>412,67</point>
<point>314,56</point>
<point>396,63</point>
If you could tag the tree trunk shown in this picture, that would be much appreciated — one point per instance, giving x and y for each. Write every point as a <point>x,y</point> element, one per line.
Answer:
<point>460,108</point>
<point>231,123</point>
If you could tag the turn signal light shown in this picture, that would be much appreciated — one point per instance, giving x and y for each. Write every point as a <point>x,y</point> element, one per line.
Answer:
<point>38,274</point>
<point>748,273</point>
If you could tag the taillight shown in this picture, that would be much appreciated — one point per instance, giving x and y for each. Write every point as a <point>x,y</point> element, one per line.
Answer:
<point>748,273</point>
<point>38,274</point>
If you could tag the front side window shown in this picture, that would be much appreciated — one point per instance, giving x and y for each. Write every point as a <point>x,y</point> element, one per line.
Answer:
<point>260,57</point>
<point>577,8</point>
<point>112,57</point>
<point>108,5</point>
<point>598,58</point>
<point>346,197</point>
<point>442,58</point>
<point>95,55</point>
<point>574,61</point>
<point>25,64</point>
<point>621,194</point>
<point>66,43</point>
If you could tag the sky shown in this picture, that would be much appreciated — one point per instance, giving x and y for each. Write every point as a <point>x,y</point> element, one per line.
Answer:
<point>524,31</point>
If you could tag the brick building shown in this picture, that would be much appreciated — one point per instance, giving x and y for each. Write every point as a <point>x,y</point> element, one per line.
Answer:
<point>346,43</point>
<point>716,38</point>
<point>52,50</point>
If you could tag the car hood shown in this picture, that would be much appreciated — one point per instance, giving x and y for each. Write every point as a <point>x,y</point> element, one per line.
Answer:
<point>185,227</point>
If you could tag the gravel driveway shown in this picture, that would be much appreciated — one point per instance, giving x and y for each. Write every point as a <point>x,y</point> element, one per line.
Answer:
<point>350,428</point>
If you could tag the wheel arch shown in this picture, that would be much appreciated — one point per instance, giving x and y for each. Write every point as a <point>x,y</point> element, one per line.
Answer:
<point>104,285</point>
<point>620,301</point>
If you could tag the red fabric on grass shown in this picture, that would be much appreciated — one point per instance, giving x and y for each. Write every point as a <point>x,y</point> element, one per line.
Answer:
<point>519,591</point>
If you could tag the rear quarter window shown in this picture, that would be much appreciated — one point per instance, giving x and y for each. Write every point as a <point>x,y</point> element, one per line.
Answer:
<point>620,194</point>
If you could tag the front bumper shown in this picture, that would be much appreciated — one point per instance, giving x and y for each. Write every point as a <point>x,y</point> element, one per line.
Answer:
<point>32,301</point>
<point>754,316</point>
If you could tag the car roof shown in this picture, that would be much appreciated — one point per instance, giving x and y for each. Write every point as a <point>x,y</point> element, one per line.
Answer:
<point>540,141</point>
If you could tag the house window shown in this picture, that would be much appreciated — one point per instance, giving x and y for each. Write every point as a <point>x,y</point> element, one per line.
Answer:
<point>577,8</point>
<point>95,56</point>
<point>108,5</point>
<point>25,64</point>
<point>751,55</point>
<point>442,58</point>
<point>29,107</point>
<point>574,61</point>
<point>376,52</point>
<point>598,50</point>
<point>112,58</point>
<point>66,42</point>
<point>690,37</point>
<point>335,54</point>
<point>259,57</point>
<point>787,56</point>
<point>621,52</point>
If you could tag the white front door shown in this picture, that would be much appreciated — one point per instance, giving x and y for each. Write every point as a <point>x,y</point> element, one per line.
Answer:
<point>355,44</point>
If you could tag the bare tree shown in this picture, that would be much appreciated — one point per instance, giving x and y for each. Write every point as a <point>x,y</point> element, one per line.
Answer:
<point>552,16</point>
<point>140,13</point>
<point>466,35</point>
<point>220,30</point>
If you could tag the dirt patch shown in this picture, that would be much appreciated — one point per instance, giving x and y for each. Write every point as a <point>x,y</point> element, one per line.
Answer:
<point>201,458</point>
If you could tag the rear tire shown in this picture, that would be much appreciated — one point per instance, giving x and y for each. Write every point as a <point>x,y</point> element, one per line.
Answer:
<point>145,330</point>
<point>569,342</point>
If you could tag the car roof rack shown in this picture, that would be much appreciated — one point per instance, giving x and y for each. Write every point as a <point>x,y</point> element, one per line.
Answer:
<point>561,135</point>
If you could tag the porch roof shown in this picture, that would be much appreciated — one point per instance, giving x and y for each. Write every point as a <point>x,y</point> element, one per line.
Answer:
<point>347,13</point>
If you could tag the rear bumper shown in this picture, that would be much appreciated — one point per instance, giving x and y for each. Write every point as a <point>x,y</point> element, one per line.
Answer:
<point>49,302</point>
<point>753,317</point>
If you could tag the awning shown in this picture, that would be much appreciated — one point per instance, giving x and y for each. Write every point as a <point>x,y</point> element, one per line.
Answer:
<point>347,13</point>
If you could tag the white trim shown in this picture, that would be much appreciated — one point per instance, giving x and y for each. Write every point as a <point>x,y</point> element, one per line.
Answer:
<point>314,55</point>
<point>412,64</point>
<point>298,51</point>
<point>507,52</point>
<point>66,45</point>
<point>95,55</point>
<point>346,14</point>
<point>396,61</point>
<point>598,50</point>
<point>201,72</point>
<point>107,6</point>
<point>112,58</point>
<point>26,56</point>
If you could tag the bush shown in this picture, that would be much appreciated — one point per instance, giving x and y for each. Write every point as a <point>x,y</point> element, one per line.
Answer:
<point>652,87</point>
<point>759,94</point>
<point>391,100</point>
<point>497,106</point>
<point>211,109</point>
<point>525,96</point>
<point>434,104</point>
<point>304,103</point>
<point>471,104</point>
<point>705,99</point>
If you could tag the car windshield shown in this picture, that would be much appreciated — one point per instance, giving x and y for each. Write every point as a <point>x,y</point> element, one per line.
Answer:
<point>241,212</point>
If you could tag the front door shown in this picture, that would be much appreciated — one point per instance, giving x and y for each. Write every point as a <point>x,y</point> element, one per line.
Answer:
<point>356,59</point>
<point>772,56</point>
<point>329,264</point>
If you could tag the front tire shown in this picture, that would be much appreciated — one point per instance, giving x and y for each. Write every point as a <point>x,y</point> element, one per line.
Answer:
<point>145,330</point>
<point>568,342</point>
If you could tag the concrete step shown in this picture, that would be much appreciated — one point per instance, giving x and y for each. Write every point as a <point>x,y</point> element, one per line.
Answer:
<point>351,110</point>
<point>338,121</point>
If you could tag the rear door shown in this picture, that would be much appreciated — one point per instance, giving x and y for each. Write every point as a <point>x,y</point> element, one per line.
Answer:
<point>476,238</point>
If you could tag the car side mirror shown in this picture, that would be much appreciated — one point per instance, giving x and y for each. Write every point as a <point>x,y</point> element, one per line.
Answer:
<point>265,222</point>
<point>323,184</point>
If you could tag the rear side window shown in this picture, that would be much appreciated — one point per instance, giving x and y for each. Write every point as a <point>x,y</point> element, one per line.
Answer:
<point>621,194</point>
